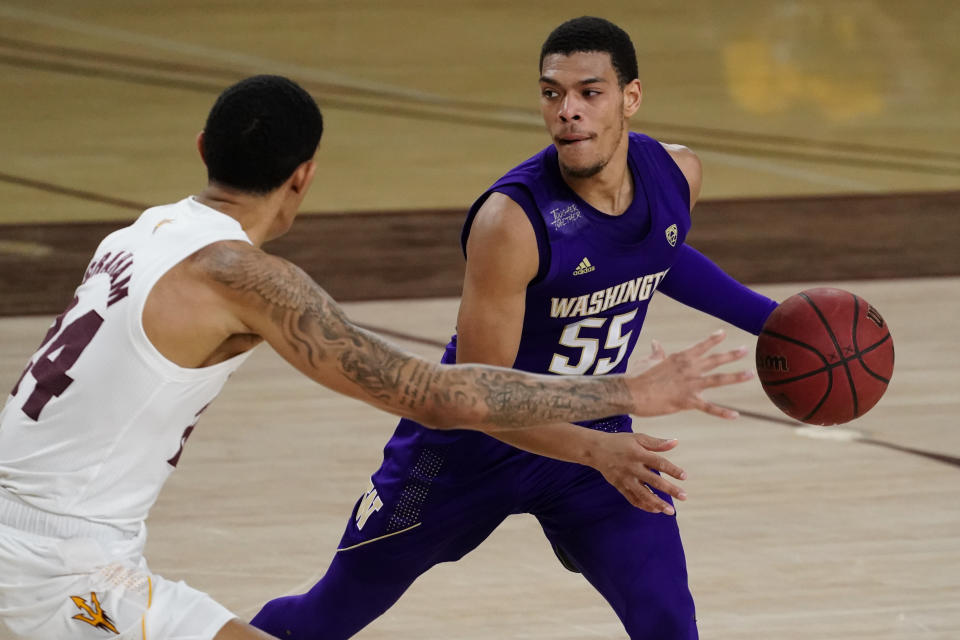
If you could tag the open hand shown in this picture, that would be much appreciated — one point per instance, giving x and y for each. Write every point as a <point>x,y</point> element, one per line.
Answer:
<point>675,382</point>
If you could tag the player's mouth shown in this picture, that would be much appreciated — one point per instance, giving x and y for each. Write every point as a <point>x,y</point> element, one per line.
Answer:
<point>572,138</point>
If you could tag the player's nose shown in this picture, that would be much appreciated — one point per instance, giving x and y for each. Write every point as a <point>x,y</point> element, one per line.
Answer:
<point>569,109</point>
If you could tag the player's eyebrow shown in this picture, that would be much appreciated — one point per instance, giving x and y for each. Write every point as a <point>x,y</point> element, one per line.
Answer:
<point>548,80</point>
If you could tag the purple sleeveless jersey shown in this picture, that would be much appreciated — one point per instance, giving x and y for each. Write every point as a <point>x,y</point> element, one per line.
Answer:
<point>585,308</point>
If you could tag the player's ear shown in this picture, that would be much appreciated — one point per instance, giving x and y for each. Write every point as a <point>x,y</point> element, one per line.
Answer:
<point>200,146</point>
<point>303,176</point>
<point>632,97</point>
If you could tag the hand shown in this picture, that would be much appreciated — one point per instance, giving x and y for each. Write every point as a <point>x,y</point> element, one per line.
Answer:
<point>675,382</point>
<point>627,462</point>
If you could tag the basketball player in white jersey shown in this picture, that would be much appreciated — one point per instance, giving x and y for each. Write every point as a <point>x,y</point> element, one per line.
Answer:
<point>167,309</point>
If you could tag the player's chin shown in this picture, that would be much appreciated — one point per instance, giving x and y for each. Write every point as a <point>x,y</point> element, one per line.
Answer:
<point>581,169</point>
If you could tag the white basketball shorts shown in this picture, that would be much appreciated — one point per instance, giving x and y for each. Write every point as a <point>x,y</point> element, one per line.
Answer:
<point>91,584</point>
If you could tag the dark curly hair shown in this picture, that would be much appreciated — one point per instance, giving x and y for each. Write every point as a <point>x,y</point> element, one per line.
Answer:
<point>588,33</point>
<point>258,132</point>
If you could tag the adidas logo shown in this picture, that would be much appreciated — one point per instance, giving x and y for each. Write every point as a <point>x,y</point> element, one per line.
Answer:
<point>584,267</point>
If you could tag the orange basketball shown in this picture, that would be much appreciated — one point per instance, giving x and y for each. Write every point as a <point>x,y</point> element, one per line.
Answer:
<point>825,356</point>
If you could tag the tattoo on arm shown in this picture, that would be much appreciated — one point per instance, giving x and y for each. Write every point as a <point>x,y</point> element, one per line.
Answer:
<point>316,328</point>
<point>514,403</point>
<point>313,325</point>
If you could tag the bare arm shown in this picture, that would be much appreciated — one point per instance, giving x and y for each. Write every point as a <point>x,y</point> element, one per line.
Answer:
<point>278,301</point>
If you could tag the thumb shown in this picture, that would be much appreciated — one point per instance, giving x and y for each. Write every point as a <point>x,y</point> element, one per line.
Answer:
<point>656,350</point>
<point>656,444</point>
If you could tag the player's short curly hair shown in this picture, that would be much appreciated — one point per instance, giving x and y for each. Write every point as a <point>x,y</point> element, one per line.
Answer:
<point>588,33</point>
<point>258,132</point>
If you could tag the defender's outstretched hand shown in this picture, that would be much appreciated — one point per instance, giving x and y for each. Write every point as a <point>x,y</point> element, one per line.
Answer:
<point>675,382</point>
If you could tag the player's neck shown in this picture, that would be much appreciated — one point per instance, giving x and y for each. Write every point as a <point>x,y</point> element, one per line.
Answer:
<point>255,213</point>
<point>609,191</point>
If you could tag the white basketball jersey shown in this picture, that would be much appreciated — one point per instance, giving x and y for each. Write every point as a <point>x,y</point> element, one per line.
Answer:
<point>99,418</point>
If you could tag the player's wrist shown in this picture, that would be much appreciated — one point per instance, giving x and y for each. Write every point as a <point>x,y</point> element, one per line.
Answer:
<point>590,451</point>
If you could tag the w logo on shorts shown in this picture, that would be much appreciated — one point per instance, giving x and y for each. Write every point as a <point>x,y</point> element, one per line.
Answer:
<point>93,614</point>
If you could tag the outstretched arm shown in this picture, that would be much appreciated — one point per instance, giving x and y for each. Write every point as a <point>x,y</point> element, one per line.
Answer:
<point>278,301</point>
<point>696,281</point>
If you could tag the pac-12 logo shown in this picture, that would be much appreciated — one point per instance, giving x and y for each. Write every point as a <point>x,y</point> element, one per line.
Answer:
<point>93,614</point>
<point>671,233</point>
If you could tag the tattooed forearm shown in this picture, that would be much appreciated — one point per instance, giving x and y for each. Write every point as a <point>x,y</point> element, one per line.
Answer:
<point>514,399</point>
<point>316,335</point>
<point>417,391</point>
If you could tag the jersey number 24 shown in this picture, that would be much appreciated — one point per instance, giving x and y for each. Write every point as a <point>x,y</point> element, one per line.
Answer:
<point>50,367</point>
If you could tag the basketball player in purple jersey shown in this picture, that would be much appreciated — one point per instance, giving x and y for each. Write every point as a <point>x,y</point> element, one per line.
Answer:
<point>563,255</point>
<point>168,308</point>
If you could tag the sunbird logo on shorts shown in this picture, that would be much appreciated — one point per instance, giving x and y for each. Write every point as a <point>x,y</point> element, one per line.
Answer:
<point>93,614</point>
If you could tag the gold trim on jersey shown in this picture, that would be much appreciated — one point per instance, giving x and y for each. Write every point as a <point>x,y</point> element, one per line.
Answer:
<point>360,544</point>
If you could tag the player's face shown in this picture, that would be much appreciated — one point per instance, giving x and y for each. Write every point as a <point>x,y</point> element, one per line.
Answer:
<point>585,109</point>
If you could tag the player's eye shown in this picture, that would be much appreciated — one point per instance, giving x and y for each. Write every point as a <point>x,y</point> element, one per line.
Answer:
<point>549,93</point>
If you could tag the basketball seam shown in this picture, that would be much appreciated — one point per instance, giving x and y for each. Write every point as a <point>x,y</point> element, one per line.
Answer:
<point>827,365</point>
<point>868,350</point>
<point>802,376</point>
<point>796,342</point>
<point>780,336</point>
<point>826,394</point>
<point>856,351</point>
<point>836,345</point>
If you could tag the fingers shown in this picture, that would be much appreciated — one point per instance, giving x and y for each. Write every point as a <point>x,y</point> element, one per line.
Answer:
<point>660,463</point>
<point>651,443</point>
<point>719,411</point>
<point>641,482</point>
<point>664,485</point>
<point>640,494</point>
<point>724,379</point>
<point>719,359</point>
<point>656,351</point>
<point>706,344</point>
<point>663,465</point>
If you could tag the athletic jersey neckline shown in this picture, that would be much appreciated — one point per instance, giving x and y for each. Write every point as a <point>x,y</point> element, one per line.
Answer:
<point>612,225</point>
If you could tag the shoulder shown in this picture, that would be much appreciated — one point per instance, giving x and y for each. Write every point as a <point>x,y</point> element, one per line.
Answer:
<point>228,258</point>
<point>504,236</point>
<point>683,156</point>
<point>237,269</point>
<point>690,166</point>
<point>501,219</point>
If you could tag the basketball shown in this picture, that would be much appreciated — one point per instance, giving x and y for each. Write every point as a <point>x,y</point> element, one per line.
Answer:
<point>825,356</point>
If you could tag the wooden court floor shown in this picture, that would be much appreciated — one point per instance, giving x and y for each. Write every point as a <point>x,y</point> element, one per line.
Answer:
<point>804,113</point>
<point>791,533</point>
<point>428,102</point>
